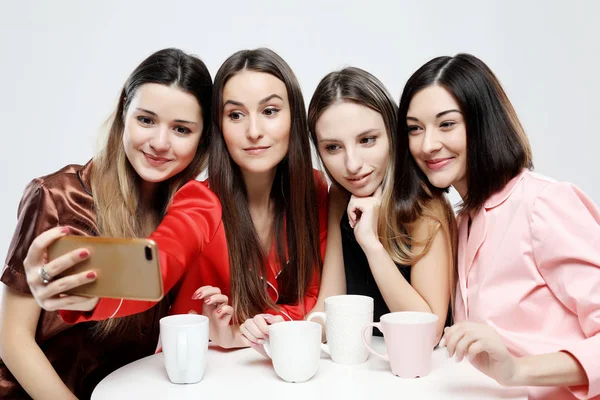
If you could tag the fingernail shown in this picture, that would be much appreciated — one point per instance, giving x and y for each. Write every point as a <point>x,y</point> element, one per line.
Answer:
<point>207,300</point>
<point>219,311</point>
<point>91,275</point>
<point>64,229</point>
<point>83,253</point>
<point>195,297</point>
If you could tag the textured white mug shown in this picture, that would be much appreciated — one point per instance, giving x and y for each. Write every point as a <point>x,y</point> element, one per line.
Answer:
<point>344,318</point>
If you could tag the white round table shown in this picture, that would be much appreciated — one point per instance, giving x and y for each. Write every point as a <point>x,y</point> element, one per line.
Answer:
<point>246,374</point>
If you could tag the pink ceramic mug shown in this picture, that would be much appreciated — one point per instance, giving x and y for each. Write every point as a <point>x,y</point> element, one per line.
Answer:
<point>409,340</point>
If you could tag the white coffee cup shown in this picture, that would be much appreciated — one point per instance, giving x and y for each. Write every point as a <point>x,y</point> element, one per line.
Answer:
<point>295,348</point>
<point>344,318</point>
<point>184,339</point>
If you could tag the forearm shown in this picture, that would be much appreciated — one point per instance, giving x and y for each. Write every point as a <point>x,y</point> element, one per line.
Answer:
<point>29,365</point>
<point>398,294</point>
<point>333,283</point>
<point>333,277</point>
<point>330,287</point>
<point>554,369</point>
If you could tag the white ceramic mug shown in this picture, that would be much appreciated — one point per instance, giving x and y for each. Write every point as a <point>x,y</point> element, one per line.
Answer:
<point>295,348</point>
<point>184,339</point>
<point>344,318</point>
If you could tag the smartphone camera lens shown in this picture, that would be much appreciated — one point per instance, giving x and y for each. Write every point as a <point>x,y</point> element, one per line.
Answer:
<point>148,253</point>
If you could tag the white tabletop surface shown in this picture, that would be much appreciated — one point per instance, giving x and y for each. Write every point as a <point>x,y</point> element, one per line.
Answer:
<point>246,374</point>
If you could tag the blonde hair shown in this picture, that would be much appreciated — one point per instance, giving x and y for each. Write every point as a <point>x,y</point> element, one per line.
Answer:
<point>394,231</point>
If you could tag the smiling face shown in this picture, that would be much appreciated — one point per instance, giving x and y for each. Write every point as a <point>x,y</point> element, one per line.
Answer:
<point>256,121</point>
<point>162,129</point>
<point>354,146</point>
<point>438,137</point>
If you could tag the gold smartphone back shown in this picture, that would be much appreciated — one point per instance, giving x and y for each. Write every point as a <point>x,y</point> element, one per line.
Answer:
<point>126,268</point>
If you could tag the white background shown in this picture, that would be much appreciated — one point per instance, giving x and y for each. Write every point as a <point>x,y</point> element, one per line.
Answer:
<point>63,64</point>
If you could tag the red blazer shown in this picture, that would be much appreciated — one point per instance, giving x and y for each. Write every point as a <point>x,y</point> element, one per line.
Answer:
<point>192,244</point>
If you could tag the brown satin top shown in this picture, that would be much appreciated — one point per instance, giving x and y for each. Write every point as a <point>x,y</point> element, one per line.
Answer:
<point>80,357</point>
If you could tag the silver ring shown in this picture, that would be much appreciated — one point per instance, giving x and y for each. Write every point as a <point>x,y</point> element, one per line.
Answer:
<point>44,275</point>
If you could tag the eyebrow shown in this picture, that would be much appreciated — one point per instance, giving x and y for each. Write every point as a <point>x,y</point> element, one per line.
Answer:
<point>371,130</point>
<point>263,101</point>
<point>181,121</point>
<point>440,114</point>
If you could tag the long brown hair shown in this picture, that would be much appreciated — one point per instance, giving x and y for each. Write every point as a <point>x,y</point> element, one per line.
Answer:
<point>116,186</point>
<point>497,146</point>
<point>293,194</point>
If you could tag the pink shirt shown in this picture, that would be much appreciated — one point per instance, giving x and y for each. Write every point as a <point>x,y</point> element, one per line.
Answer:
<point>530,269</point>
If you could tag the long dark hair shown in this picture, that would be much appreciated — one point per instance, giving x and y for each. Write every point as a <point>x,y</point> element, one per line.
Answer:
<point>293,194</point>
<point>115,184</point>
<point>497,146</point>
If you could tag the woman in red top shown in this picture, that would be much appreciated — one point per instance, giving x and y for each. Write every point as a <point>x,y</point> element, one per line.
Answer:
<point>153,148</point>
<point>260,168</point>
<point>265,254</point>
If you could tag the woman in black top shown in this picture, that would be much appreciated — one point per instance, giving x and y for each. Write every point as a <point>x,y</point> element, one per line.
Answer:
<point>398,250</point>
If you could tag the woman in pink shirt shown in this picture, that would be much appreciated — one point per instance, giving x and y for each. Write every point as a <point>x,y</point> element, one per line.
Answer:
<point>527,307</point>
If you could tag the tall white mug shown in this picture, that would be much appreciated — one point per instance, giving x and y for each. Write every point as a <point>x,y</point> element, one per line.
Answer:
<point>184,339</point>
<point>344,318</point>
<point>295,348</point>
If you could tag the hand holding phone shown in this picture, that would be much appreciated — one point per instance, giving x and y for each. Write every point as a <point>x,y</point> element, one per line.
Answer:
<point>48,293</point>
<point>125,268</point>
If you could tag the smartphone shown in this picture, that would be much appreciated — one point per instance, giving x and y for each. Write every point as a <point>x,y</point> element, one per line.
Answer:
<point>126,268</point>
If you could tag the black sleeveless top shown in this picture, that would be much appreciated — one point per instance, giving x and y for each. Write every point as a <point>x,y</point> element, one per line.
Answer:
<point>359,278</point>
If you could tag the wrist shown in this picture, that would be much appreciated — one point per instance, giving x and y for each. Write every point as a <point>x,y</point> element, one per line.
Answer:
<point>521,372</point>
<point>238,340</point>
<point>372,246</point>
